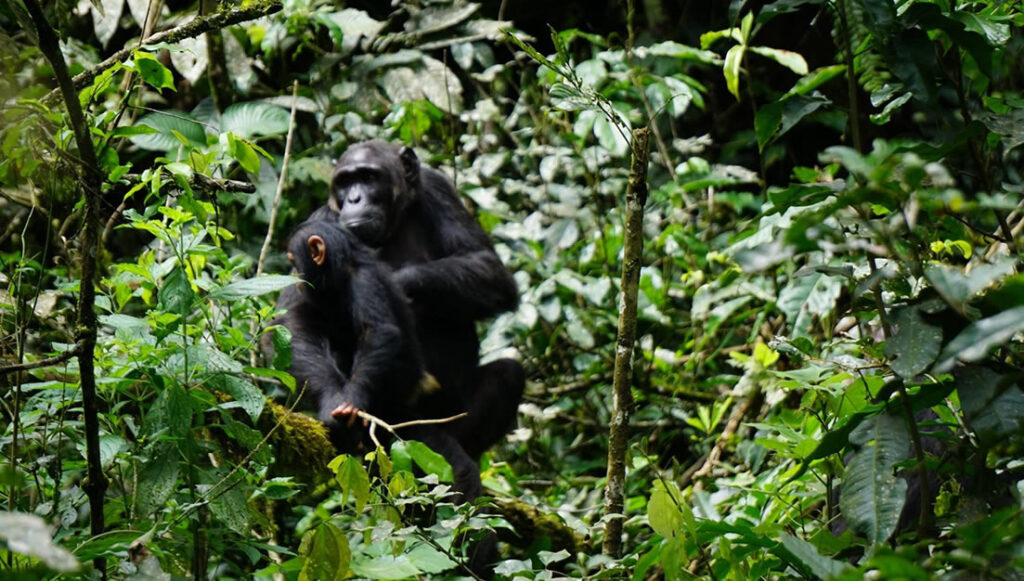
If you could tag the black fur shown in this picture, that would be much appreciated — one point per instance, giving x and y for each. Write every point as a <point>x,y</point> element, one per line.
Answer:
<point>445,265</point>
<point>352,336</point>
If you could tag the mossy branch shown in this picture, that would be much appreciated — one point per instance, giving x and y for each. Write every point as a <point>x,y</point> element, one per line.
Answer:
<point>622,382</point>
<point>191,29</point>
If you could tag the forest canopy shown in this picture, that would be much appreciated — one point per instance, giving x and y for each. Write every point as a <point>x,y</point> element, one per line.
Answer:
<point>768,256</point>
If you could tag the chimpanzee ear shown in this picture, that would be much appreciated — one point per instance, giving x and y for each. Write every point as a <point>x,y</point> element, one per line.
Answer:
<point>410,165</point>
<point>317,250</point>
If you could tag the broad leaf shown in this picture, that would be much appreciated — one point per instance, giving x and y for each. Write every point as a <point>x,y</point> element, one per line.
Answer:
<point>429,461</point>
<point>789,59</point>
<point>872,496</point>
<point>153,71</point>
<point>353,479</point>
<point>663,510</point>
<point>974,342</point>
<point>326,554</point>
<point>915,345</point>
<point>253,287</point>
<point>993,403</point>
<point>166,124</point>
<point>248,120</point>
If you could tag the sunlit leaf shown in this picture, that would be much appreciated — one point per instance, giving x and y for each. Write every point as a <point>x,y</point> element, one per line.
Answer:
<point>27,534</point>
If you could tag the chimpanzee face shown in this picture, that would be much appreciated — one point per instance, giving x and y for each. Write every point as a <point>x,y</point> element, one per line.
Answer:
<point>371,187</point>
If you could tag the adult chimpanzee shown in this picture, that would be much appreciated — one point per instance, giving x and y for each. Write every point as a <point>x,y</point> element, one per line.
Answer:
<point>352,337</point>
<point>444,263</point>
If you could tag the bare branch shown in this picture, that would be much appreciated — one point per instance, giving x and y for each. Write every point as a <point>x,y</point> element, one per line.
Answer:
<point>49,361</point>
<point>280,182</point>
<point>375,421</point>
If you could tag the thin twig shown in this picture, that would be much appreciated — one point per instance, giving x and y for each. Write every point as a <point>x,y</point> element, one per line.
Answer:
<point>375,421</point>
<point>280,182</point>
<point>27,365</point>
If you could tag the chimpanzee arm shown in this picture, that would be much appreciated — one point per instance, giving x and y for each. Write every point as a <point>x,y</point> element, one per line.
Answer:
<point>385,368</point>
<point>467,277</point>
<point>314,364</point>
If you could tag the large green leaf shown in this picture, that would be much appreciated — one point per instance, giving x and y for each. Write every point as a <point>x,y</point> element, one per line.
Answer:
<point>250,119</point>
<point>974,342</point>
<point>247,396</point>
<point>787,58</point>
<point>429,560</point>
<point>731,69</point>
<point>176,294</point>
<point>663,512</point>
<point>156,483</point>
<point>915,345</point>
<point>808,556</point>
<point>253,287</point>
<point>872,496</point>
<point>231,507</point>
<point>387,567</point>
<point>993,403</point>
<point>326,554</point>
<point>167,125</point>
<point>809,295</point>
<point>429,461</point>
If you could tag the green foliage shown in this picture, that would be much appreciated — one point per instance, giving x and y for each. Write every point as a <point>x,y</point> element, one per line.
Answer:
<point>826,308</point>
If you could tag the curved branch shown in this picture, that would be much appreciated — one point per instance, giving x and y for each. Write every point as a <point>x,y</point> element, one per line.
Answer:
<point>191,29</point>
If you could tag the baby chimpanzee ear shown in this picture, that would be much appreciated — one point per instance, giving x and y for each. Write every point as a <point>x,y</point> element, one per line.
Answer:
<point>317,250</point>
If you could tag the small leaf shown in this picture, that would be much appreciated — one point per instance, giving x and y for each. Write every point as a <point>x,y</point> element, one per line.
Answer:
<point>430,461</point>
<point>787,58</point>
<point>815,79</point>
<point>733,63</point>
<point>243,152</point>
<point>353,479</point>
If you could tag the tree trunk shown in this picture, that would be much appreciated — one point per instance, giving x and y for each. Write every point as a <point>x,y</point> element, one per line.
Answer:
<point>96,484</point>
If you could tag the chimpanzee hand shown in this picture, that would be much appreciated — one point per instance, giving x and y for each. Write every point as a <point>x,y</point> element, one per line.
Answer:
<point>349,410</point>
<point>348,407</point>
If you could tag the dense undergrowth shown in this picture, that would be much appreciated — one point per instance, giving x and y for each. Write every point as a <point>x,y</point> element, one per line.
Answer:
<point>830,318</point>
